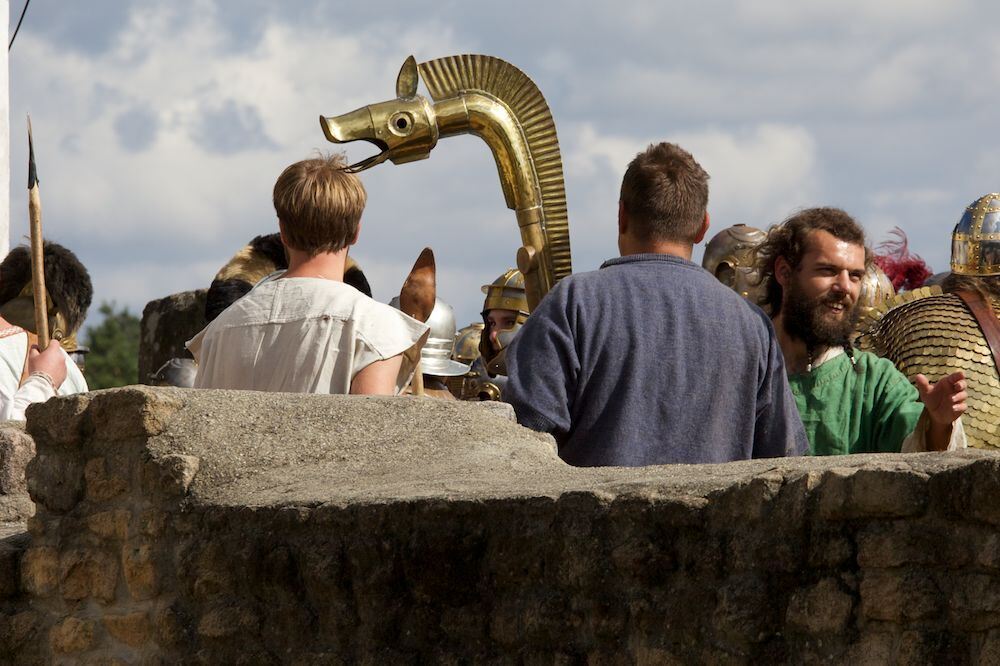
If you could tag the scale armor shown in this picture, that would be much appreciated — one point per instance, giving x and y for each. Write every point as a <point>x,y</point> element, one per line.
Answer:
<point>935,334</point>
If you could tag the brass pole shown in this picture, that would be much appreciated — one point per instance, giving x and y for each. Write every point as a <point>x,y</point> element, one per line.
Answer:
<point>37,260</point>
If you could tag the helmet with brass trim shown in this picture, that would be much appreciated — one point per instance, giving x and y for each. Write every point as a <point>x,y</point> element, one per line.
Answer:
<point>467,343</point>
<point>435,355</point>
<point>729,256</point>
<point>975,241</point>
<point>504,293</point>
<point>876,289</point>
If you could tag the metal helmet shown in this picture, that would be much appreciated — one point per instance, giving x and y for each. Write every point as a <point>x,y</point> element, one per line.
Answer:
<point>975,241</point>
<point>467,343</point>
<point>175,372</point>
<point>729,256</point>
<point>876,290</point>
<point>504,293</point>
<point>435,356</point>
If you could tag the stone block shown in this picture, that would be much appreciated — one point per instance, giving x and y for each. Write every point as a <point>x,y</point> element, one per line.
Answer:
<point>170,474</point>
<point>101,485</point>
<point>139,568</point>
<point>11,551</point>
<point>899,595</point>
<point>16,449</point>
<point>824,608</point>
<point>87,573</point>
<point>226,621</point>
<point>40,570</point>
<point>55,481</point>
<point>133,629</point>
<point>871,493</point>
<point>167,323</point>
<point>71,636</point>
<point>109,524</point>
<point>884,545</point>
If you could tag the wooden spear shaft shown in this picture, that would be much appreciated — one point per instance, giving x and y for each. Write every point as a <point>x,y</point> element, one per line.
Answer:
<point>37,260</point>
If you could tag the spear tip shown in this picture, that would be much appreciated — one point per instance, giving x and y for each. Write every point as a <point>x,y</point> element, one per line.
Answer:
<point>32,171</point>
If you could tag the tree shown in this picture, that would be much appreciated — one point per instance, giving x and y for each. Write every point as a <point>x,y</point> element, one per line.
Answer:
<point>114,349</point>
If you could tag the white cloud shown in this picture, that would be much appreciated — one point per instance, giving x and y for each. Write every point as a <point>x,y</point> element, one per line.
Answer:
<point>757,175</point>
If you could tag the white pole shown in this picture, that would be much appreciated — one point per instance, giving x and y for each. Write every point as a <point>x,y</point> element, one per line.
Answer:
<point>5,136</point>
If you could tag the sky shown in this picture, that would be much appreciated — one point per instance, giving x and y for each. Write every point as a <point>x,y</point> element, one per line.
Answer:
<point>160,127</point>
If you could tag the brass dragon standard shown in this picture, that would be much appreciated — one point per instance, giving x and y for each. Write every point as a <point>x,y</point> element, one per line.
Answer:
<point>492,99</point>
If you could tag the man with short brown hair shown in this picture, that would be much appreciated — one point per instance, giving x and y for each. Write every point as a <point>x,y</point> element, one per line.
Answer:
<point>304,330</point>
<point>850,401</point>
<point>650,360</point>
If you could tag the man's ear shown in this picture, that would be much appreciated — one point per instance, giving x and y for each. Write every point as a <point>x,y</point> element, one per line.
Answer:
<point>622,219</point>
<point>357,234</point>
<point>281,232</point>
<point>700,236</point>
<point>782,271</point>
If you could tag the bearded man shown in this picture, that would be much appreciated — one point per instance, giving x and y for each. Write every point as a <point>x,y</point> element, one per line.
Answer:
<point>850,401</point>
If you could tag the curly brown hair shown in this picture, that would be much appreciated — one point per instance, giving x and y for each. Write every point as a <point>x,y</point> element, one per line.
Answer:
<point>789,240</point>
<point>665,194</point>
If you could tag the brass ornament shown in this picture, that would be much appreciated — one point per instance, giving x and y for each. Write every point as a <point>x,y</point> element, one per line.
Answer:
<point>975,241</point>
<point>934,334</point>
<point>492,99</point>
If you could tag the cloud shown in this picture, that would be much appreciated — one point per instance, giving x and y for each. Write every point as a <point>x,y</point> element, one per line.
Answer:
<point>135,128</point>
<point>757,175</point>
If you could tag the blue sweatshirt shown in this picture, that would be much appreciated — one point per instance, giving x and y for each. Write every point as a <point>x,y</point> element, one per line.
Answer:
<point>651,360</point>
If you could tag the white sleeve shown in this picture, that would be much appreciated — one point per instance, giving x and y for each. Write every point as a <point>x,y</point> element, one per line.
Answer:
<point>35,389</point>
<point>916,441</point>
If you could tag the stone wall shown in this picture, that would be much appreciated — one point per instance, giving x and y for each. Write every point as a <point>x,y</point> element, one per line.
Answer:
<point>167,323</point>
<point>237,527</point>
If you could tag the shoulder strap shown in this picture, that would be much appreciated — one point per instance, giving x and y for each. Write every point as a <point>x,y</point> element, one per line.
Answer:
<point>987,319</point>
<point>32,340</point>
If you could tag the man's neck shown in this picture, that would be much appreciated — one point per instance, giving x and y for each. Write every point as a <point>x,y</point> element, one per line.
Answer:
<point>795,350</point>
<point>326,265</point>
<point>682,250</point>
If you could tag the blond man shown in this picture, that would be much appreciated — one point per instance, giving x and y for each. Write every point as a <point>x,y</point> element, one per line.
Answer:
<point>303,330</point>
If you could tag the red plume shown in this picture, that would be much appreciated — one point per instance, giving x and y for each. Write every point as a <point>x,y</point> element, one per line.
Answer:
<point>906,271</point>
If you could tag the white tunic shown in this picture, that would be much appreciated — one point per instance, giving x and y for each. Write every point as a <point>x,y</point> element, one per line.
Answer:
<point>14,400</point>
<point>303,335</point>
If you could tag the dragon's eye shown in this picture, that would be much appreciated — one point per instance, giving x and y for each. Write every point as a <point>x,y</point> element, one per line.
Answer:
<point>401,123</point>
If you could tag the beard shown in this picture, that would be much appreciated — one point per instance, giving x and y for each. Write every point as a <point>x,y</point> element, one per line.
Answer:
<point>812,321</point>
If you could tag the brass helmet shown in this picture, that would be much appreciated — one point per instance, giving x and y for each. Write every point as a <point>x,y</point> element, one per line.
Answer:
<point>729,256</point>
<point>504,293</point>
<point>876,289</point>
<point>467,343</point>
<point>975,241</point>
<point>435,355</point>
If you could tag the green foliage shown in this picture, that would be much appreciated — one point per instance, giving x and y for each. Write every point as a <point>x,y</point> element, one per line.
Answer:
<point>114,349</point>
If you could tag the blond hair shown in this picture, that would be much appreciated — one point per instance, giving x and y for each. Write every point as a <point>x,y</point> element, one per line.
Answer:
<point>319,205</point>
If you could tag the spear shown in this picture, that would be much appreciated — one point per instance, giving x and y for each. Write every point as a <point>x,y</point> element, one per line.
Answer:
<point>37,265</point>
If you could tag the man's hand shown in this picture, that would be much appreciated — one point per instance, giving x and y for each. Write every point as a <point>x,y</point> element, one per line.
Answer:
<point>943,402</point>
<point>51,361</point>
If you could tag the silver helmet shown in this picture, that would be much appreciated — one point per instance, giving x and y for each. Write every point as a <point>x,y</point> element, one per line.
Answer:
<point>729,256</point>
<point>435,357</point>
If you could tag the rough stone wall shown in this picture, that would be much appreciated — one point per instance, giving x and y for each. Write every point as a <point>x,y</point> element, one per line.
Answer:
<point>237,527</point>
<point>167,323</point>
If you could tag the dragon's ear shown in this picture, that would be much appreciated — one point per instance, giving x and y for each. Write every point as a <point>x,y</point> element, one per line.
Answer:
<point>406,82</point>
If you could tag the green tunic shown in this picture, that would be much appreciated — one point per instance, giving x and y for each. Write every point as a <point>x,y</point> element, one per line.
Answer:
<point>865,410</point>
